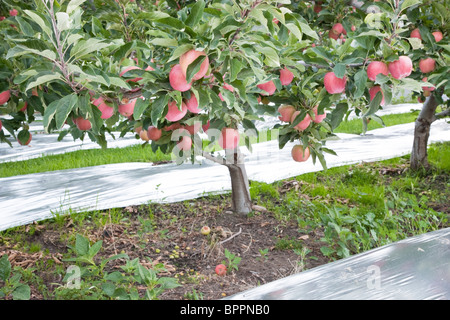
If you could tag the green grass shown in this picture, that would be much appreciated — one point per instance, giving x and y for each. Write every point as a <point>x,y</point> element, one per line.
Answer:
<point>82,158</point>
<point>137,153</point>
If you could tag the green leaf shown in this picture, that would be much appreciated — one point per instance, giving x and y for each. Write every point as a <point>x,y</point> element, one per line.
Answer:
<point>374,104</point>
<point>158,107</point>
<point>338,114</point>
<point>164,42</point>
<point>25,27</point>
<point>64,108</point>
<point>194,67</point>
<point>139,108</point>
<point>46,78</point>
<point>5,268</point>
<point>196,13</point>
<point>271,56</point>
<point>360,83</point>
<point>85,47</point>
<point>22,292</point>
<point>339,70</point>
<point>73,5</point>
<point>306,29</point>
<point>95,248</point>
<point>40,21</point>
<point>81,245</point>
<point>409,3</point>
<point>49,113</point>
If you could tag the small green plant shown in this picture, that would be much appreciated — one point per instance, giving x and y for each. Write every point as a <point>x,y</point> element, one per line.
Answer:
<point>194,295</point>
<point>264,254</point>
<point>96,283</point>
<point>232,261</point>
<point>10,284</point>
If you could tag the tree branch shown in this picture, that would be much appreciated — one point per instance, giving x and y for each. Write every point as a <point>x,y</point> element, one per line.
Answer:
<point>443,114</point>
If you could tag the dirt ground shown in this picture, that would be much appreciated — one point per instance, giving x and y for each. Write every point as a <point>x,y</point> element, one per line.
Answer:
<point>175,240</point>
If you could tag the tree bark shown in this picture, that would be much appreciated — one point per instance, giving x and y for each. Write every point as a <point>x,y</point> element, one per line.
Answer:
<point>419,154</point>
<point>240,188</point>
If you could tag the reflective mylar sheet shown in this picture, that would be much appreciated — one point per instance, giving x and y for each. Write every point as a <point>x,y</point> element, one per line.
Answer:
<point>26,198</point>
<point>417,268</point>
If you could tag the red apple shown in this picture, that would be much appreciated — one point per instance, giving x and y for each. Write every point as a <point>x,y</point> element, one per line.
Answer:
<point>416,34</point>
<point>376,67</point>
<point>127,109</point>
<point>286,76</point>
<point>427,65</point>
<point>318,118</point>
<point>437,35</point>
<point>334,84</point>
<point>286,112</point>
<point>154,133</point>
<point>268,87</point>
<point>300,155</point>
<point>4,96</point>
<point>24,108</point>
<point>229,138</point>
<point>353,28</point>
<point>302,125</point>
<point>373,92</point>
<point>221,270</point>
<point>188,57</point>
<point>143,135</point>
<point>13,12</point>
<point>192,104</point>
<point>401,68</point>
<point>178,80</point>
<point>194,128</point>
<point>175,114</point>
<point>185,142</point>
<point>205,127</point>
<point>83,124</point>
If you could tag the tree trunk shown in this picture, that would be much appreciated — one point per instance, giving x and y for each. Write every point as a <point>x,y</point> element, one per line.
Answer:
<point>240,189</point>
<point>419,154</point>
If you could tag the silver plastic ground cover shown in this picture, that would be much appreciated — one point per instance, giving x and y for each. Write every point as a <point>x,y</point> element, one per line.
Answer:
<point>417,268</point>
<point>33,197</point>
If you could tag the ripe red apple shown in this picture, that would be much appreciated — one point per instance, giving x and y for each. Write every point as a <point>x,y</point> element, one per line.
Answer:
<point>268,87</point>
<point>286,76</point>
<point>334,84</point>
<point>13,12</point>
<point>416,34</point>
<point>178,80</point>
<point>154,133</point>
<point>107,111</point>
<point>427,65</point>
<point>221,270</point>
<point>401,68</point>
<point>373,92</point>
<point>420,100</point>
<point>333,35</point>
<point>205,230</point>
<point>376,67</point>
<point>300,155</point>
<point>128,69</point>
<point>4,96</point>
<point>286,112</point>
<point>337,29</point>
<point>229,138</point>
<point>127,109</point>
<point>353,28</point>
<point>205,127</point>
<point>188,57</point>
<point>175,114</point>
<point>302,125</point>
<point>83,124</point>
<point>318,118</point>
<point>425,79</point>
<point>192,104</point>
<point>173,126</point>
<point>437,35</point>
<point>185,143</point>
